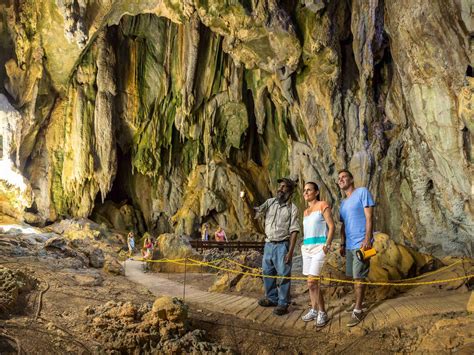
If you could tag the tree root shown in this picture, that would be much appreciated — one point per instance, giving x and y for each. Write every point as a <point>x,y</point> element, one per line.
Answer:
<point>40,299</point>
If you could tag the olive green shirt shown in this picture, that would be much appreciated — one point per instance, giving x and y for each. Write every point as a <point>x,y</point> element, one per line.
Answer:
<point>280,220</point>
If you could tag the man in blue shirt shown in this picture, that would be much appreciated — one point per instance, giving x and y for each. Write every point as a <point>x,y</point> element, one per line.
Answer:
<point>356,214</point>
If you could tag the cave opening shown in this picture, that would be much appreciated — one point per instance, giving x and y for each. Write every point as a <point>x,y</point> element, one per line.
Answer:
<point>118,210</point>
<point>119,193</point>
<point>469,72</point>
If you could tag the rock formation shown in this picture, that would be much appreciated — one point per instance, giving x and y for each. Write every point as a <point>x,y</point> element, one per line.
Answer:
<point>173,107</point>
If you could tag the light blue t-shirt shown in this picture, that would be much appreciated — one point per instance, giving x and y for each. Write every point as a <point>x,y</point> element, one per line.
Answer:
<point>353,216</point>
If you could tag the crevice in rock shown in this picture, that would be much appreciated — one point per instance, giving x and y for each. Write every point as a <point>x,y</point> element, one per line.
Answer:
<point>467,143</point>
<point>247,5</point>
<point>469,71</point>
<point>251,142</point>
<point>119,210</point>
<point>382,79</point>
<point>349,69</point>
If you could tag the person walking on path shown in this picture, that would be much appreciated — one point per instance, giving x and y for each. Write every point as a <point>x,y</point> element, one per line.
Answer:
<point>131,244</point>
<point>281,230</point>
<point>205,232</point>
<point>147,253</point>
<point>356,214</point>
<point>318,228</point>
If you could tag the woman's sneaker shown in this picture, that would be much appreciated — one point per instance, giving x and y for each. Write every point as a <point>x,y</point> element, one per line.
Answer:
<point>322,319</point>
<point>311,315</point>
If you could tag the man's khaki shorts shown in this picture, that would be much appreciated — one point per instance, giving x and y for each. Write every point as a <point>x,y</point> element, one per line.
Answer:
<point>354,267</point>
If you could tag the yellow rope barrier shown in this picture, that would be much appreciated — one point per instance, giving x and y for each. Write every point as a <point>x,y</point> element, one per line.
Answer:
<point>242,265</point>
<point>444,268</point>
<point>337,280</point>
<point>322,278</point>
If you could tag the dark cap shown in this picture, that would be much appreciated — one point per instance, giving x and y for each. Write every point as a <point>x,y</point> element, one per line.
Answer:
<point>291,183</point>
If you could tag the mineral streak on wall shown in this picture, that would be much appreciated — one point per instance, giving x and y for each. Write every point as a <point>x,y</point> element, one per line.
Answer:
<point>177,106</point>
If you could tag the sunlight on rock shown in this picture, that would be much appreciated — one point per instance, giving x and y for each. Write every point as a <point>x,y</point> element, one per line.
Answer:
<point>9,174</point>
<point>17,228</point>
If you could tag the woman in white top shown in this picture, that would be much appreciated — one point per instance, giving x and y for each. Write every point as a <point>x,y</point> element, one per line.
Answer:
<point>318,233</point>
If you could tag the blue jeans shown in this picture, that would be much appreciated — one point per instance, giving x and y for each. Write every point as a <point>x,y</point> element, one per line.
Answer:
<point>273,263</point>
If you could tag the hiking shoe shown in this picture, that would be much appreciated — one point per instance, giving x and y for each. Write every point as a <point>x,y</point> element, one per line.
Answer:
<point>265,302</point>
<point>280,310</point>
<point>311,315</point>
<point>351,308</point>
<point>356,318</point>
<point>322,319</point>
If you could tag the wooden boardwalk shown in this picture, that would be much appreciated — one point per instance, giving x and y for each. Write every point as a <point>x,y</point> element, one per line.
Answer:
<point>389,313</point>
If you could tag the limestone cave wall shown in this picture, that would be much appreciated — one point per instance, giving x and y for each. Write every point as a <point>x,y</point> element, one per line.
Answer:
<point>162,111</point>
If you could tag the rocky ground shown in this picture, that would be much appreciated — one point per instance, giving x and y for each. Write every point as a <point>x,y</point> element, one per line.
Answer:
<point>62,290</point>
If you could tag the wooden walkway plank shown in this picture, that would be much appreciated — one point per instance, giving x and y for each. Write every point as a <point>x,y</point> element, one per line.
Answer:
<point>245,313</point>
<point>265,315</point>
<point>295,317</point>
<point>258,311</point>
<point>243,304</point>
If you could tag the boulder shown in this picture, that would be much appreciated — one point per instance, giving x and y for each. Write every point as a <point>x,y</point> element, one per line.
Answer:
<point>12,284</point>
<point>87,279</point>
<point>113,266</point>
<point>96,258</point>
<point>170,309</point>
<point>172,247</point>
<point>395,262</point>
<point>250,284</point>
<point>56,243</point>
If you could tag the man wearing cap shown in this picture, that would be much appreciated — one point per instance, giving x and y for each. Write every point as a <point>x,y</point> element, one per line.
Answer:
<point>356,214</point>
<point>281,230</point>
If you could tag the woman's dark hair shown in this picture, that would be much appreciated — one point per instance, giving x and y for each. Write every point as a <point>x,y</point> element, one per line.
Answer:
<point>316,187</point>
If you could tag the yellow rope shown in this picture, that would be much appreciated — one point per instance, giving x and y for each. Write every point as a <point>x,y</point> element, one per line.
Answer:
<point>444,268</point>
<point>242,265</point>
<point>322,278</point>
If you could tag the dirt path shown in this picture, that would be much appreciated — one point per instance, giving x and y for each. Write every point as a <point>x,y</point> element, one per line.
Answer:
<point>390,312</point>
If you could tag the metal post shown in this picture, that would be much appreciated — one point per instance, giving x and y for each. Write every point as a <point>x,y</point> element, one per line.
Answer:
<point>184,284</point>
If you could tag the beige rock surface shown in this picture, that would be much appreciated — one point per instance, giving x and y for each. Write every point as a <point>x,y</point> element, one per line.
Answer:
<point>173,247</point>
<point>470,304</point>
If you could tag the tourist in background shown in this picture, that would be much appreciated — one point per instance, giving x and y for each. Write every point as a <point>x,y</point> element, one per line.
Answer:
<point>131,244</point>
<point>147,253</point>
<point>318,228</point>
<point>205,232</point>
<point>220,235</point>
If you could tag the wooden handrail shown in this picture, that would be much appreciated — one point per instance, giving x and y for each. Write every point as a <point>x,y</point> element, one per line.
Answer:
<point>239,245</point>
